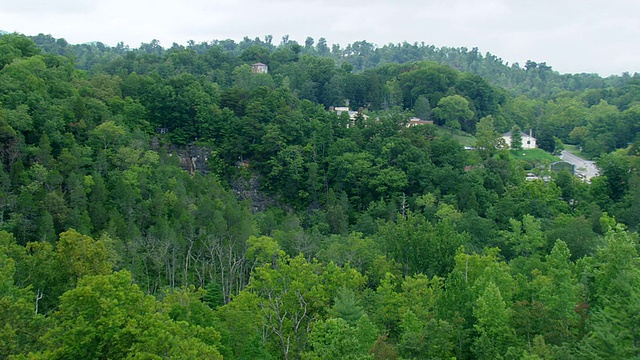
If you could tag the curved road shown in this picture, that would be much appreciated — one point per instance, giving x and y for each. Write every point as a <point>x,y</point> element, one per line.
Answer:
<point>586,168</point>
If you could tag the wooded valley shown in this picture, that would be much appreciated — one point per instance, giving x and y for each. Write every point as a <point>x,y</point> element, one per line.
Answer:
<point>177,203</point>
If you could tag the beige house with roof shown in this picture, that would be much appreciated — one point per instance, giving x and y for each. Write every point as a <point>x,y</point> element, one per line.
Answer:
<point>259,68</point>
<point>528,141</point>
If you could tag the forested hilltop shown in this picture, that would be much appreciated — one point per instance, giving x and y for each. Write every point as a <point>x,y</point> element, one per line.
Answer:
<point>533,78</point>
<point>176,203</point>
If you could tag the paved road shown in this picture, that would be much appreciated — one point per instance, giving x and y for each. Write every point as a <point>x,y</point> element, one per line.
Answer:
<point>583,167</point>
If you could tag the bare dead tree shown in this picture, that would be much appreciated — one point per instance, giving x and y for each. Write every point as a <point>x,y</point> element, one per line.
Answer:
<point>39,296</point>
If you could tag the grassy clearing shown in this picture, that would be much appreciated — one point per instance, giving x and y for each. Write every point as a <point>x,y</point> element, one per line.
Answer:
<point>462,137</point>
<point>534,155</point>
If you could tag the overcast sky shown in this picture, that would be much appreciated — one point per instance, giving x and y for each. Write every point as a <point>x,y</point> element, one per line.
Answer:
<point>572,36</point>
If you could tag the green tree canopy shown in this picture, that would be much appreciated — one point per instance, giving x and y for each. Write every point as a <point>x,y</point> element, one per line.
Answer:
<point>453,111</point>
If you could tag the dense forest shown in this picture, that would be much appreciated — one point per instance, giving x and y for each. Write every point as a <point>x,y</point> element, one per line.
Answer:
<point>173,203</point>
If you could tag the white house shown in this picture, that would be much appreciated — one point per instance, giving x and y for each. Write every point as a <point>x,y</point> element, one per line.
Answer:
<point>528,141</point>
<point>352,114</point>
<point>259,68</point>
<point>414,121</point>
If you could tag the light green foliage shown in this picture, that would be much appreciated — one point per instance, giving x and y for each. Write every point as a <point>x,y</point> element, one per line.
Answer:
<point>388,301</point>
<point>263,250</point>
<point>495,334</point>
<point>19,119</point>
<point>108,316</point>
<point>420,294</point>
<point>15,46</point>
<point>564,114</point>
<point>521,110</point>
<point>481,269</point>
<point>559,294</point>
<point>80,255</point>
<point>390,182</point>
<point>186,305</point>
<point>239,320</point>
<point>108,134</point>
<point>20,325</point>
<point>454,111</point>
<point>421,332</point>
<point>429,79</point>
<point>617,299</point>
<point>539,350</point>
<point>480,284</point>
<point>498,274</point>
<point>420,337</point>
<point>335,338</point>
<point>489,141</point>
<point>291,296</point>
<point>615,175</point>
<point>51,272</point>
<point>455,305</point>
<point>603,121</point>
<point>538,199</point>
<point>525,238</point>
<point>355,249</point>
<point>448,212</point>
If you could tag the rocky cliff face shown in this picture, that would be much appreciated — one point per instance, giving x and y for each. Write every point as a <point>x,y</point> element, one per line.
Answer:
<point>249,189</point>
<point>194,159</point>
